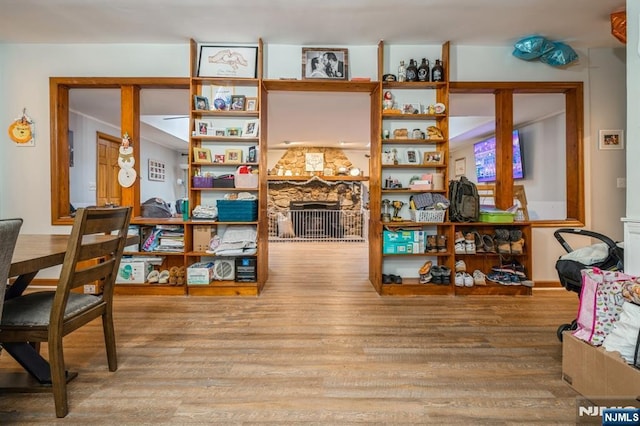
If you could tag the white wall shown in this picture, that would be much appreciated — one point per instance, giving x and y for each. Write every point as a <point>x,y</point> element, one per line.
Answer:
<point>25,70</point>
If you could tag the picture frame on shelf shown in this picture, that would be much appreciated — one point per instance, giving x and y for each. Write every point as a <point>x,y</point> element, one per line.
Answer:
<point>228,61</point>
<point>460,166</point>
<point>325,63</point>
<point>201,155</point>
<point>250,129</point>
<point>233,131</point>
<point>200,103</point>
<point>251,104</point>
<point>203,127</point>
<point>218,132</point>
<point>233,156</point>
<point>252,156</point>
<point>314,162</point>
<point>433,158</point>
<point>218,158</point>
<point>237,102</point>
<point>412,156</point>
<point>411,108</point>
<point>611,139</point>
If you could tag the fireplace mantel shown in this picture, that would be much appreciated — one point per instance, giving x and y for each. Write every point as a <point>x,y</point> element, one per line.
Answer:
<point>321,178</point>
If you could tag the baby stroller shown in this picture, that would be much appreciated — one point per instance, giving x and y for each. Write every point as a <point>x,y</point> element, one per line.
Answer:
<point>606,255</point>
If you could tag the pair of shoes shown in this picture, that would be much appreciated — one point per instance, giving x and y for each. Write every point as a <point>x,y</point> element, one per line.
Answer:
<point>479,277</point>
<point>502,241</point>
<point>461,266</point>
<point>432,243</point>
<point>512,267</point>
<point>153,277</point>
<point>504,278</point>
<point>163,278</point>
<point>463,280</point>
<point>441,243</point>
<point>391,279</point>
<point>440,274</point>
<point>487,244</point>
<point>425,272</point>
<point>470,243</point>
<point>516,240</point>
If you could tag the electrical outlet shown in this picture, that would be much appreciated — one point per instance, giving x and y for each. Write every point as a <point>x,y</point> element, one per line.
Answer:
<point>89,289</point>
<point>621,182</point>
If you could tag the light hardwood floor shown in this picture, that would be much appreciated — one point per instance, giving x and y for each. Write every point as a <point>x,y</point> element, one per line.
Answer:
<point>317,346</point>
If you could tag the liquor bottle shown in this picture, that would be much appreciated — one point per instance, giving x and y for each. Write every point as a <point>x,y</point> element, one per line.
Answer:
<point>437,73</point>
<point>412,71</point>
<point>402,72</point>
<point>423,70</point>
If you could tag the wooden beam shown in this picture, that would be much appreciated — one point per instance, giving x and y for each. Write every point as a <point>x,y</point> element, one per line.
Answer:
<point>130,123</point>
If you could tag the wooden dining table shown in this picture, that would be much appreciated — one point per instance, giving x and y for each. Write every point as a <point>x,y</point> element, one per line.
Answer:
<point>32,254</point>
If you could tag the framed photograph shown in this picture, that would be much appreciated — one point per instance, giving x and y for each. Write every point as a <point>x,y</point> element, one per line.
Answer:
<point>233,131</point>
<point>250,129</point>
<point>412,156</point>
<point>218,158</point>
<point>325,63</point>
<point>460,166</point>
<point>237,103</point>
<point>611,139</point>
<point>433,158</point>
<point>253,155</point>
<point>200,102</point>
<point>413,108</point>
<point>233,156</point>
<point>228,61</point>
<point>157,170</point>
<point>203,128</point>
<point>201,155</point>
<point>219,132</point>
<point>251,104</point>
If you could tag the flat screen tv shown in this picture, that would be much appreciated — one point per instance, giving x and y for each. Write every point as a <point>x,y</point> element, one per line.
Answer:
<point>484,153</point>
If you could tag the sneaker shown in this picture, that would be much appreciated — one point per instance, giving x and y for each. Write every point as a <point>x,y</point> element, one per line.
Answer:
<point>436,274</point>
<point>527,283</point>
<point>461,266</point>
<point>499,278</point>
<point>479,278</point>
<point>445,275</point>
<point>459,279</point>
<point>441,243</point>
<point>425,272</point>
<point>459,237</point>
<point>470,243</point>
<point>467,279</point>
<point>431,244</point>
<point>460,247</point>
<point>487,243</point>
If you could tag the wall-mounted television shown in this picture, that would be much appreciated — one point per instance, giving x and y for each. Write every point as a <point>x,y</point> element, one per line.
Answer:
<point>484,153</point>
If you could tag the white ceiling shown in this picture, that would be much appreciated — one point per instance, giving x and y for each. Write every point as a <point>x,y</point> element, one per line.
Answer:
<point>581,23</point>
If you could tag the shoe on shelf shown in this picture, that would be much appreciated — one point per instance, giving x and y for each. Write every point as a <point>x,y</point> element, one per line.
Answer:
<point>426,278</point>
<point>511,267</point>
<point>386,279</point>
<point>396,279</point>
<point>460,247</point>
<point>153,277</point>
<point>479,278</point>
<point>503,241</point>
<point>487,243</point>
<point>163,278</point>
<point>499,278</point>
<point>431,243</point>
<point>467,279</point>
<point>441,243</point>
<point>478,241</point>
<point>517,247</point>
<point>459,279</point>
<point>461,266</point>
<point>459,237</point>
<point>436,274</point>
<point>445,275</point>
<point>470,243</point>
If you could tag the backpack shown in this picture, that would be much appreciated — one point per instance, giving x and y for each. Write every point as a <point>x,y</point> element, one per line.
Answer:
<point>465,201</point>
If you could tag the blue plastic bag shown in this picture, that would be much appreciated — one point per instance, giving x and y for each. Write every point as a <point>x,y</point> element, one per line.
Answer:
<point>532,47</point>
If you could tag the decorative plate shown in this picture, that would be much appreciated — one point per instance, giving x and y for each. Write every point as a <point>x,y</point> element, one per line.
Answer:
<point>440,108</point>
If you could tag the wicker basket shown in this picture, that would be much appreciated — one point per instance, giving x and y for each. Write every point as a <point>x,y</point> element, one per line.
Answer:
<point>430,216</point>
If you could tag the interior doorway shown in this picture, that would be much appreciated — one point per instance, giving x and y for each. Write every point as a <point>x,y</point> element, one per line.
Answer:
<point>108,190</point>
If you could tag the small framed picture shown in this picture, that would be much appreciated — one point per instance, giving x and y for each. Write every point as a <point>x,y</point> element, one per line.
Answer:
<point>233,156</point>
<point>237,103</point>
<point>218,158</point>
<point>412,156</point>
<point>233,131</point>
<point>200,102</point>
<point>460,166</point>
<point>251,104</point>
<point>250,129</point>
<point>228,61</point>
<point>434,158</point>
<point>611,139</point>
<point>389,157</point>
<point>203,128</point>
<point>325,63</point>
<point>219,132</point>
<point>201,155</point>
<point>157,170</point>
<point>253,155</point>
<point>413,108</point>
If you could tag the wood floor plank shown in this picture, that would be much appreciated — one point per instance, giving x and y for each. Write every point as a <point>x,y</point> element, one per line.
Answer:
<point>318,346</point>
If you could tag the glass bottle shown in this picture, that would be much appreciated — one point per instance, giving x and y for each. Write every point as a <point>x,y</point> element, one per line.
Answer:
<point>437,73</point>
<point>412,71</point>
<point>423,70</point>
<point>402,72</point>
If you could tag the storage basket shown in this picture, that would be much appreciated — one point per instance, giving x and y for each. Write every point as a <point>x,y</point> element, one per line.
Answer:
<point>202,182</point>
<point>237,210</point>
<point>431,216</point>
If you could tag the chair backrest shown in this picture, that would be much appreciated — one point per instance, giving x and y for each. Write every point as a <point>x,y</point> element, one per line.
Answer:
<point>9,229</point>
<point>95,247</point>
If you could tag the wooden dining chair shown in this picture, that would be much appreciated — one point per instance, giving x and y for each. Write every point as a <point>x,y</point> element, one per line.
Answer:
<point>95,247</point>
<point>9,229</point>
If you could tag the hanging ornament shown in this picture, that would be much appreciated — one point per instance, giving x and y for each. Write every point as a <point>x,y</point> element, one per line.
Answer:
<point>22,131</point>
<point>127,174</point>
